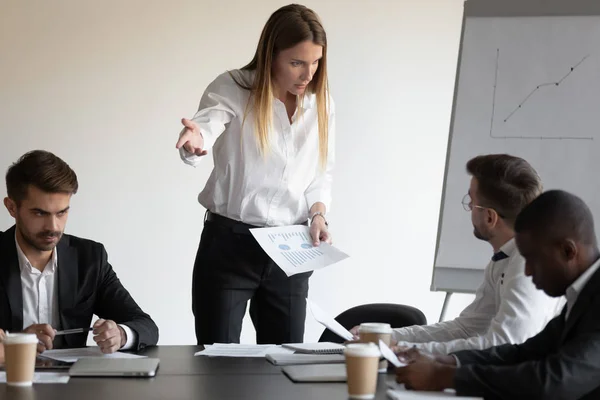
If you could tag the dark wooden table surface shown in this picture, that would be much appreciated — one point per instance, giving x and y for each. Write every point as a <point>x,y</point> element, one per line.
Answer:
<point>183,376</point>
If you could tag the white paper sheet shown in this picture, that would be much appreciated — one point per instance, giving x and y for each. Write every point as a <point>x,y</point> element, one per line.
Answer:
<point>398,392</point>
<point>412,394</point>
<point>328,321</point>
<point>316,348</point>
<point>43,377</point>
<point>290,247</point>
<point>242,350</point>
<point>72,355</point>
<point>389,355</point>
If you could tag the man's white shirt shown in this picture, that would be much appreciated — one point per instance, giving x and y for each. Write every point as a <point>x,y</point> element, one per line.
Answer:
<point>508,308</point>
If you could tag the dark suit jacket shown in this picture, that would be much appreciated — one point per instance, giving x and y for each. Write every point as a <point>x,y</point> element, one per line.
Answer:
<point>561,362</point>
<point>87,285</point>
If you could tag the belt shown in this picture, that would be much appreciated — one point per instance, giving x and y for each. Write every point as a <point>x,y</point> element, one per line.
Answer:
<point>235,226</point>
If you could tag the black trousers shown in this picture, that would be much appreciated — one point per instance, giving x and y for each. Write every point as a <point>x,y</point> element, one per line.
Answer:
<point>230,269</point>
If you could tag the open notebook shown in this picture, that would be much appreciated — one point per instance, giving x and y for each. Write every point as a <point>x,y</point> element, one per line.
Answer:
<point>316,348</point>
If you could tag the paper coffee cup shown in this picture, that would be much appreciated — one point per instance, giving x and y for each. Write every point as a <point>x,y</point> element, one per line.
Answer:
<point>362,360</point>
<point>373,332</point>
<point>19,353</point>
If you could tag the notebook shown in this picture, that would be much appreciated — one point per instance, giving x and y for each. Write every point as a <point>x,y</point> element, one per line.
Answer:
<point>316,348</point>
<point>316,373</point>
<point>299,359</point>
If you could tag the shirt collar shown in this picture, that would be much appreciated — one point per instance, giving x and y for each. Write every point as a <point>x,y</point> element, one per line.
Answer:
<point>509,247</point>
<point>576,287</point>
<point>24,262</point>
<point>309,101</point>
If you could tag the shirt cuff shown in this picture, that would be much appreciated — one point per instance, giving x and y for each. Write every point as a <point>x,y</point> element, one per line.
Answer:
<point>131,337</point>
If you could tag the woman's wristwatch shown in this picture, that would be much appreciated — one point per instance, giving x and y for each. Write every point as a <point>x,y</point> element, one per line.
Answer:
<point>322,216</point>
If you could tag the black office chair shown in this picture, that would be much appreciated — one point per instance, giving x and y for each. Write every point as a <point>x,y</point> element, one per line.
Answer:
<point>397,315</point>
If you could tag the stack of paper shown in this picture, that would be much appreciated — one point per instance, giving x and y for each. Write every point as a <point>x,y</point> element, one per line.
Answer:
<point>241,350</point>
<point>416,395</point>
<point>316,348</point>
<point>43,377</point>
<point>398,392</point>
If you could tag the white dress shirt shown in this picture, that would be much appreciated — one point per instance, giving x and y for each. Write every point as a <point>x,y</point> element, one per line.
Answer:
<point>576,287</point>
<point>274,189</point>
<point>40,291</point>
<point>40,295</point>
<point>507,309</point>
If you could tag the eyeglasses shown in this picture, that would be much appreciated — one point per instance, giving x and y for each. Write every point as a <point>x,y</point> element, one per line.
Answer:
<point>468,205</point>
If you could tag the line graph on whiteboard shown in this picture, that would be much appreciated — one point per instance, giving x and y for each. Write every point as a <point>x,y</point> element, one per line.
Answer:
<point>532,95</point>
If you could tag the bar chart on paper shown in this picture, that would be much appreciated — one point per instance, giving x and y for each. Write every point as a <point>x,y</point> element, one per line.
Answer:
<point>290,247</point>
<point>295,247</point>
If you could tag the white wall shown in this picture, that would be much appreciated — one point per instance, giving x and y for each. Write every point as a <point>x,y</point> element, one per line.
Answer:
<point>104,84</point>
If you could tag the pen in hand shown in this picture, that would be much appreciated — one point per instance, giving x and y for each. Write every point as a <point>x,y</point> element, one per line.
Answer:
<point>72,331</point>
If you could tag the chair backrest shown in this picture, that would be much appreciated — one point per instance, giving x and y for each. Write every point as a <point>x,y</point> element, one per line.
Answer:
<point>397,315</point>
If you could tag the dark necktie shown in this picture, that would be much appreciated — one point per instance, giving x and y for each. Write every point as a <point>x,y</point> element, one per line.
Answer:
<point>499,256</point>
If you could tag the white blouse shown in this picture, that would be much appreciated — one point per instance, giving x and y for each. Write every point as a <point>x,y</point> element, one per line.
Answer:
<point>274,189</point>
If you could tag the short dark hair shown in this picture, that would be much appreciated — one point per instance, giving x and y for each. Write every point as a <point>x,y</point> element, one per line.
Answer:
<point>43,170</point>
<point>557,214</point>
<point>505,183</point>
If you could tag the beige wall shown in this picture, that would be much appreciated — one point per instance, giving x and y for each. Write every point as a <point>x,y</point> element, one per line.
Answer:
<point>104,84</point>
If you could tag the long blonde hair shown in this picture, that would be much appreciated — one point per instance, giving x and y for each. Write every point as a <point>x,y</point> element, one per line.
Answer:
<point>288,26</point>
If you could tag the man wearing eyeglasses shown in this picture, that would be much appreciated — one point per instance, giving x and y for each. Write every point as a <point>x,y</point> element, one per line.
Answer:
<point>507,307</point>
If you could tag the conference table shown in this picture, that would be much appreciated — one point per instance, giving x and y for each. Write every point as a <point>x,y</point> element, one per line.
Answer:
<point>181,375</point>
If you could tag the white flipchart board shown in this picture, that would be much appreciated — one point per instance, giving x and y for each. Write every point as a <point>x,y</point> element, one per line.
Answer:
<point>527,84</point>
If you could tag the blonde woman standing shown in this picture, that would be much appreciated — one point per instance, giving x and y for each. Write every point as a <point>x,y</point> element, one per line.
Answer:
<point>270,126</point>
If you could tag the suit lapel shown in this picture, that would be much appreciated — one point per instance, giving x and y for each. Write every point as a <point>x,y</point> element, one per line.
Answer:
<point>582,303</point>
<point>67,279</point>
<point>10,276</point>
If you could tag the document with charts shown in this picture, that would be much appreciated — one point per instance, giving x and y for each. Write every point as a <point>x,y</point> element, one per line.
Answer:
<point>290,247</point>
